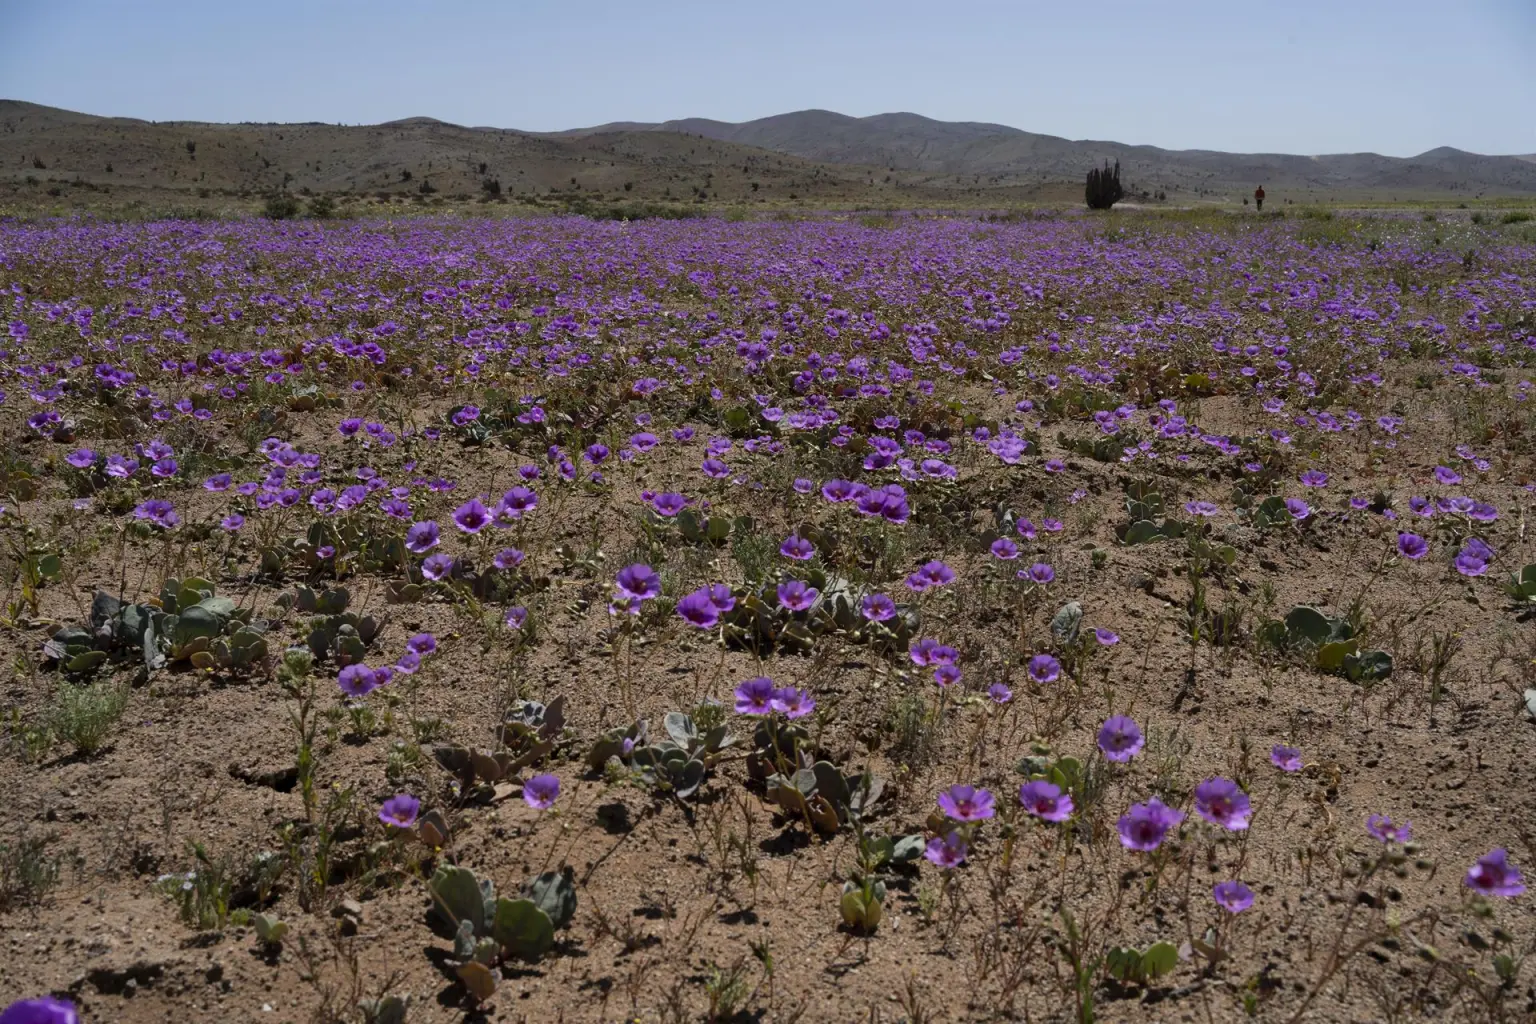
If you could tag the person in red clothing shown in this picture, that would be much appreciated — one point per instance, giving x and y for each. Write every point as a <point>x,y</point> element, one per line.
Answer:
<point>1258,198</point>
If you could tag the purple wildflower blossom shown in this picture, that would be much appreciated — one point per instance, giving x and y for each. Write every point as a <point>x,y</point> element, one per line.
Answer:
<point>1120,738</point>
<point>1494,875</point>
<point>541,791</point>
<point>966,803</point>
<point>755,696</point>
<point>948,852</point>
<point>1145,826</point>
<point>1045,801</point>
<point>1234,897</point>
<point>400,810</point>
<point>1222,802</point>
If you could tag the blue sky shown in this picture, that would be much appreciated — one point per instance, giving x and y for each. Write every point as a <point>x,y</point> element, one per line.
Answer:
<point>1305,76</point>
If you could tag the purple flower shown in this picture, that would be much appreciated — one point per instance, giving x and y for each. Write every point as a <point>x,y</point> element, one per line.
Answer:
<point>1120,738</point>
<point>1234,897</point>
<point>793,703</point>
<point>755,696</point>
<point>82,458</point>
<point>357,680</point>
<point>1411,545</point>
<point>516,503</point>
<point>797,547</point>
<point>1039,574</point>
<point>721,597</point>
<point>999,693</point>
<point>436,566</point>
<point>541,791</point>
<point>157,512</point>
<point>878,608</point>
<point>1478,548</point>
<point>1105,637</point>
<point>472,516</point>
<point>1313,478</point>
<point>946,675</point>
<point>408,663</point>
<point>1145,826</point>
<point>422,643</point>
<point>921,651</point>
<point>715,469</point>
<point>232,522</point>
<point>421,537</point>
<point>1380,827</point>
<point>1044,669</point>
<point>669,504</point>
<point>937,574</point>
<point>638,582</point>
<point>121,468</point>
<point>948,852</point>
<point>1005,549</point>
<point>1297,508</point>
<point>1287,759</point>
<point>1045,800</point>
<point>839,490</point>
<point>697,609</point>
<point>1222,802</point>
<point>44,1011</point>
<point>966,803</point>
<point>517,615</point>
<point>1200,508</point>
<point>507,558</point>
<point>1446,475</point>
<point>400,810</point>
<point>1468,563</point>
<point>797,596</point>
<point>1494,875</point>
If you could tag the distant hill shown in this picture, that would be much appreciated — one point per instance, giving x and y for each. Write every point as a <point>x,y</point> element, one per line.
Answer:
<point>809,157</point>
<point>1000,155</point>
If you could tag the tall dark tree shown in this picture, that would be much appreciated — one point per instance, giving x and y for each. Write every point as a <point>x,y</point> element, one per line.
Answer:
<point>1104,188</point>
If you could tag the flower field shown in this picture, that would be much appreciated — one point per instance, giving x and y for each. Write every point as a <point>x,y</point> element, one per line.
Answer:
<point>1057,617</point>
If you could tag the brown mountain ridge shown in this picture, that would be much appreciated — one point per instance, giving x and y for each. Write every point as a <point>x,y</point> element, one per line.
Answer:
<point>806,156</point>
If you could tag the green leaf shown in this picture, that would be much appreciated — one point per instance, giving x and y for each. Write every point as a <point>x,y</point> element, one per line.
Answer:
<point>688,526</point>
<point>1159,959</point>
<point>554,892</point>
<point>457,896</point>
<point>717,529</point>
<point>1306,623</point>
<point>1330,656</point>
<point>87,662</point>
<point>478,978</point>
<point>681,728</point>
<point>269,929</point>
<point>333,602</point>
<point>1124,964</point>
<point>687,779</point>
<point>1067,623</point>
<point>1368,666</point>
<point>193,623</point>
<point>522,929</point>
<point>907,849</point>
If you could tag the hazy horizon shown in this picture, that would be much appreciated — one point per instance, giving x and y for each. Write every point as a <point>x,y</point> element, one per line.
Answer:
<point>1397,79</point>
